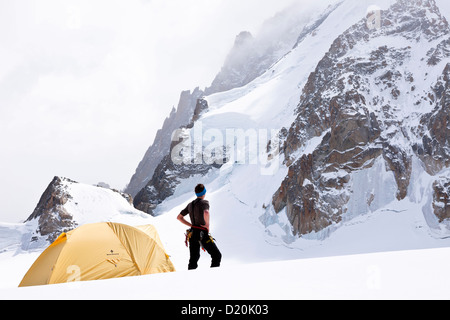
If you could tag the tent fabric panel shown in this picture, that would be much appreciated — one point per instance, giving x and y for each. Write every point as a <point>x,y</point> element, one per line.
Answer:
<point>159,261</point>
<point>42,269</point>
<point>93,252</point>
<point>145,247</point>
<point>140,246</point>
<point>151,231</point>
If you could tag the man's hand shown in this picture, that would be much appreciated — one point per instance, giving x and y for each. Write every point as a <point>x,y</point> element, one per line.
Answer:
<point>184,221</point>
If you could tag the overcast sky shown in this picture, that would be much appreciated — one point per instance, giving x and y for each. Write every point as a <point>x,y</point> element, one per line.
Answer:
<point>85,84</point>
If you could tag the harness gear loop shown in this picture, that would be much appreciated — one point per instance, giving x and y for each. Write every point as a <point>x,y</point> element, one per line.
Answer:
<point>188,236</point>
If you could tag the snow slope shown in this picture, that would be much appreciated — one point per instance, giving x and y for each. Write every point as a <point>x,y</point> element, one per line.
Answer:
<point>90,204</point>
<point>444,6</point>
<point>250,254</point>
<point>419,274</point>
<point>10,235</point>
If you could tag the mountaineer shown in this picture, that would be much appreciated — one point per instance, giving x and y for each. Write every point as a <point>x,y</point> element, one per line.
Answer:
<point>198,235</point>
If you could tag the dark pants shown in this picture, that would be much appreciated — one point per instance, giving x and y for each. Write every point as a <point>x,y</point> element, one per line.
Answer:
<point>201,238</point>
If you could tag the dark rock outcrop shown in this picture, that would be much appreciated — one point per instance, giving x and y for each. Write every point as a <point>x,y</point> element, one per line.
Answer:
<point>53,218</point>
<point>187,109</point>
<point>434,150</point>
<point>441,199</point>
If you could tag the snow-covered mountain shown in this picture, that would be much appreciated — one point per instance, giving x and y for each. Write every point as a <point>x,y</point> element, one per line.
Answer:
<point>65,205</point>
<point>162,184</point>
<point>251,55</point>
<point>378,100</point>
<point>249,58</point>
<point>360,106</point>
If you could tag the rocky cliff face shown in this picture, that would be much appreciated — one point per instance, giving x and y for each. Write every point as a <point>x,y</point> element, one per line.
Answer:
<point>378,96</point>
<point>441,199</point>
<point>52,217</point>
<point>183,116</point>
<point>434,128</point>
<point>167,175</point>
<point>66,204</point>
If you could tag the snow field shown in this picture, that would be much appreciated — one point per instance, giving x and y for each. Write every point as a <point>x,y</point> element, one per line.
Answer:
<point>418,274</point>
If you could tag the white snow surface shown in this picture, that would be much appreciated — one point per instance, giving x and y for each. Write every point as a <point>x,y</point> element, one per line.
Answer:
<point>387,249</point>
<point>402,275</point>
<point>388,253</point>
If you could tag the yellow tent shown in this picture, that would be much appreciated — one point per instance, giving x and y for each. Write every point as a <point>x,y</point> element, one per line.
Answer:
<point>100,251</point>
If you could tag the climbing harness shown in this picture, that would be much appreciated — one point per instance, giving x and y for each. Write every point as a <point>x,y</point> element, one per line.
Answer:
<point>189,233</point>
<point>188,236</point>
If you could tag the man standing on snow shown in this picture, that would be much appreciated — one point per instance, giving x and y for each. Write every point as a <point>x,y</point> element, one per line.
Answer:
<point>198,235</point>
